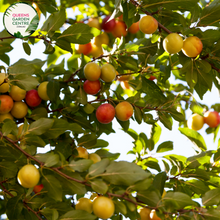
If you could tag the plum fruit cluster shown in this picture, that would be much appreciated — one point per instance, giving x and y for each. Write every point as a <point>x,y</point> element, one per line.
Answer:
<point>196,121</point>
<point>15,101</point>
<point>110,27</point>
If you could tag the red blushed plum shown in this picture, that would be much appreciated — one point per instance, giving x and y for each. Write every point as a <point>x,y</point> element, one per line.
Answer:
<point>105,113</point>
<point>119,29</point>
<point>108,26</point>
<point>84,48</point>
<point>92,87</point>
<point>152,77</point>
<point>134,28</point>
<point>32,98</point>
<point>124,110</point>
<point>212,118</point>
<point>38,188</point>
<point>6,104</point>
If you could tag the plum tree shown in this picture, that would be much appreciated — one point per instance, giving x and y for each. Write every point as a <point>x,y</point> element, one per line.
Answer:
<point>103,207</point>
<point>73,139</point>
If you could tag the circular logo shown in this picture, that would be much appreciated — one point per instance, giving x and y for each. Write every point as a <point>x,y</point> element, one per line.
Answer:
<point>20,20</point>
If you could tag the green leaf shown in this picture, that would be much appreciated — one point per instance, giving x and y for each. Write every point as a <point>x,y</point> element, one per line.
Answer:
<point>141,185</point>
<point>53,90</point>
<point>55,21</point>
<point>71,187</point>
<point>38,113</point>
<point>76,128</point>
<point>132,133</point>
<point>53,187</point>
<point>150,197</point>
<point>152,163</point>
<point>25,82</point>
<point>166,120</point>
<point>165,146</point>
<point>98,168</point>
<point>77,215</point>
<point>5,47</point>
<point>81,165</point>
<point>26,48</point>
<point>177,115</point>
<point>196,173</point>
<point>191,77</point>
<point>211,197</point>
<point>5,58</point>
<point>197,186</point>
<point>128,63</point>
<point>31,139</point>
<point>50,213</point>
<point>195,137</point>
<point>57,128</point>
<point>14,207</point>
<point>138,115</point>
<point>123,173</point>
<point>87,140</point>
<point>8,169</point>
<point>77,33</point>
<point>179,199</point>
<point>120,207</point>
<point>153,91</point>
<point>81,96</point>
<point>8,127</point>
<point>41,126</point>
<point>159,181</point>
<point>99,186</point>
<point>106,154</point>
<point>26,67</point>
<point>209,14</point>
<point>52,160</point>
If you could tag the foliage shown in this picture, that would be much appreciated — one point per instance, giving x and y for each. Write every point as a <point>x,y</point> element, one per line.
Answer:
<point>68,119</point>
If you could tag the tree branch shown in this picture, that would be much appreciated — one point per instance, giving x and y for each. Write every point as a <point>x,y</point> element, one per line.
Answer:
<point>35,37</point>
